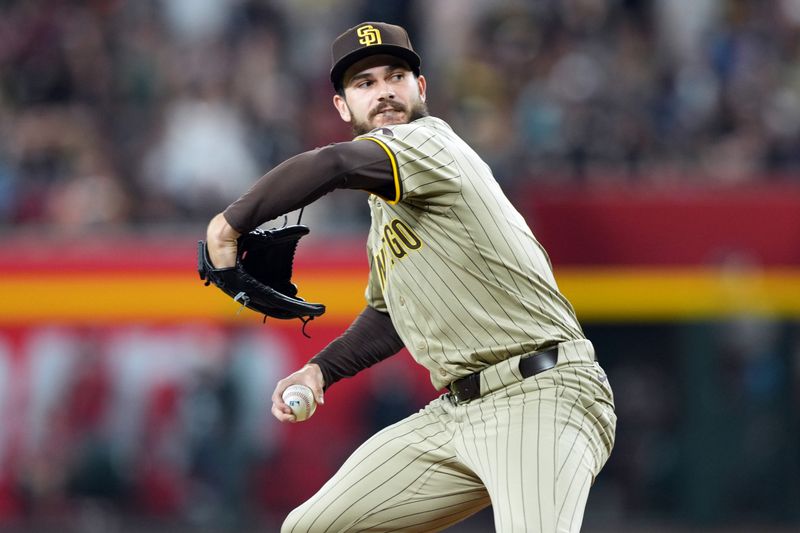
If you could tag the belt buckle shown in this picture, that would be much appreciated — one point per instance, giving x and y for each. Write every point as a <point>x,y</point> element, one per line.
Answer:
<point>468,388</point>
<point>458,399</point>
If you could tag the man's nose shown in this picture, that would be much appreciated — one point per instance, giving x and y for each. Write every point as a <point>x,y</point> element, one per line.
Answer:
<point>386,91</point>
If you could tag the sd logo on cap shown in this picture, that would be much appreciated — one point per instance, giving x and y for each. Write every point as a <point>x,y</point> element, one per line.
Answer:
<point>369,35</point>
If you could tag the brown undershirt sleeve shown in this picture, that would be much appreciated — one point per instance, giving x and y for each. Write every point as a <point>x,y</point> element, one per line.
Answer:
<point>306,177</point>
<point>297,182</point>
<point>371,338</point>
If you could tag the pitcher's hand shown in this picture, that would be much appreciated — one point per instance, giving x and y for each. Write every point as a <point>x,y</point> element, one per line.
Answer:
<point>310,376</point>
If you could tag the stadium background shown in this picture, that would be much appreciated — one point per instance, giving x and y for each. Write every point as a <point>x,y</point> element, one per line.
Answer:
<point>654,148</point>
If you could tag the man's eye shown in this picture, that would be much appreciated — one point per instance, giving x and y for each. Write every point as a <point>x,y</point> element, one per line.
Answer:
<point>398,76</point>
<point>364,84</point>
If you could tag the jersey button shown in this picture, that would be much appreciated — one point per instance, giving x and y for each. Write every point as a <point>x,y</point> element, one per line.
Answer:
<point>442,372</point>
<point>402,301</point>
<point>421,346</point>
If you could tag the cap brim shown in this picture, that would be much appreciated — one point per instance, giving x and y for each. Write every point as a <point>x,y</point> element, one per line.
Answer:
<point>341,66</point>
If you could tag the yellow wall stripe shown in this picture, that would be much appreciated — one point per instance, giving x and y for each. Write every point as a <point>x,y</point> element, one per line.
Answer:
<point>630,294</point>
<point>112,298</point>
<point>620,294</point>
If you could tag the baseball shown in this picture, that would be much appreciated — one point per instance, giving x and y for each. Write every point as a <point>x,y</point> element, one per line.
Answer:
<point>300,400</point>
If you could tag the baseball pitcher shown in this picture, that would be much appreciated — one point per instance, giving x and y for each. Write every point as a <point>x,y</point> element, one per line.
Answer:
<point>526,420</point>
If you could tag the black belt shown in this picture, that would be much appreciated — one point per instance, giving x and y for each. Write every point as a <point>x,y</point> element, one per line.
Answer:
<point>469,387</point>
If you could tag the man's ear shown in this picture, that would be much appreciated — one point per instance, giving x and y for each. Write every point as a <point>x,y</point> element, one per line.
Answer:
<point>422,85</point>
<point>341,106</point>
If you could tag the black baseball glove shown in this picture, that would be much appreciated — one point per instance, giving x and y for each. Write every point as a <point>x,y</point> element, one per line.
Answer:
<point>262,277</point>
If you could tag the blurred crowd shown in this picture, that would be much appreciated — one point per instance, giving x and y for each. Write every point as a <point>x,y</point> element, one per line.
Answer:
<point>118,114</point>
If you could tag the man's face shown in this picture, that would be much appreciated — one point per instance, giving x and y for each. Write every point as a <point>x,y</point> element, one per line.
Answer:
<point>380,90</point>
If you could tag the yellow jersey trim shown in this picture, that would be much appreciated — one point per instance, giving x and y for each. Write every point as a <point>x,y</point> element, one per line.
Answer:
<point>395,172</point>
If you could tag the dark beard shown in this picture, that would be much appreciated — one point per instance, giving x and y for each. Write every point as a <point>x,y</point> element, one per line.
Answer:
<point>418,110</point>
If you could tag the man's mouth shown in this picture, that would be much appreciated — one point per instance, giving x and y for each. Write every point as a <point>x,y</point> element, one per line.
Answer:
<point>387,109</point>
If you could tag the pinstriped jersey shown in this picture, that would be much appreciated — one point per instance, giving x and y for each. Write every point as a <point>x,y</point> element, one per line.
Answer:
<point>455,265</point>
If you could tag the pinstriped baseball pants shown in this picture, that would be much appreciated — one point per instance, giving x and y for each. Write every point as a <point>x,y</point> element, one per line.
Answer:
<point>531,448</point>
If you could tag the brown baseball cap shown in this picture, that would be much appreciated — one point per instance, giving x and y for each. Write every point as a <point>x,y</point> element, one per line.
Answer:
<point>366,39</point>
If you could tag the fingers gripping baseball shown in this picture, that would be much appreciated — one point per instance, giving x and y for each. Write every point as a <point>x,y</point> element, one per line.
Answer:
<point>309,376</point>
